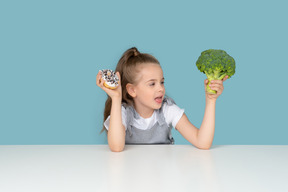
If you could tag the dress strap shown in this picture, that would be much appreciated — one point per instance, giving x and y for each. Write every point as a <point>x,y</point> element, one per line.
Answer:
<point>130,115</point>
<point>168,100</point>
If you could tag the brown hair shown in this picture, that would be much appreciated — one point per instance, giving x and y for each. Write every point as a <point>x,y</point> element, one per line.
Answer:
<point>127,68</point>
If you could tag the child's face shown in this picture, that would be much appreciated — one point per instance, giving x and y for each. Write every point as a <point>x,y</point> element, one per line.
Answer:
<point>150,90</point>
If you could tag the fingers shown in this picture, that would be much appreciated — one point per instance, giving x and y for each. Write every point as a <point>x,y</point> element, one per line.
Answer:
<point>213,82</point>
<point>225,78</point>
<point>98,79</point>
<point>216,87</point>
<point>218,82</point>
<point>118,75</point>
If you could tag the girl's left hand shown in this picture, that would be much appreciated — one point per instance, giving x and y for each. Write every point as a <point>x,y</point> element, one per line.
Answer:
<point>216,85</point>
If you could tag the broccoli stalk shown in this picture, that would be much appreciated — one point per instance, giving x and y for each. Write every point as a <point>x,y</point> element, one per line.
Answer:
<point>216,75</point>
<point>216,64</point>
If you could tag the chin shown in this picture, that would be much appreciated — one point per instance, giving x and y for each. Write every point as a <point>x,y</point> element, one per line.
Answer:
<point>158,106</point>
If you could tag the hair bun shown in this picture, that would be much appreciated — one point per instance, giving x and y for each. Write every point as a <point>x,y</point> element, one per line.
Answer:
<point>136,52</point>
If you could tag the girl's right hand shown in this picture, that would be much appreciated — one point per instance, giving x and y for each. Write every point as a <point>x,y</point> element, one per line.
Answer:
<point>113,93</point>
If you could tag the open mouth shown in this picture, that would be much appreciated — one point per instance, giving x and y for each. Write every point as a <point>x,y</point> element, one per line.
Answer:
<point>159,99</point>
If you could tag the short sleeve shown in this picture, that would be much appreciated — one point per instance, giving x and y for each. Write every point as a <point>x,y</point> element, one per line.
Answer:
<point>172,114</point>
<point>123,111</point>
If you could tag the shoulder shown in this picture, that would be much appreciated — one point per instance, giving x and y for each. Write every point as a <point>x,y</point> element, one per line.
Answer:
<point>129,112</point>
<point>168,100</point>
<point>172,112</point>
<point>125,107</point>
<point>170,107</point>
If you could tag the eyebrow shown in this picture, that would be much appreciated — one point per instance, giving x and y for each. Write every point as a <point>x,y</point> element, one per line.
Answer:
<point>154,80</point>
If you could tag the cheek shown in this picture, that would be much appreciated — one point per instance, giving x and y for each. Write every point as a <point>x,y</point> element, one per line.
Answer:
<point>144,93</point>
<point>164,90</point>
<point>148,94</point>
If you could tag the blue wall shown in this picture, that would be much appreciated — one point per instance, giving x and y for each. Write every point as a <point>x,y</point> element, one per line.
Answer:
<point>51,52</point>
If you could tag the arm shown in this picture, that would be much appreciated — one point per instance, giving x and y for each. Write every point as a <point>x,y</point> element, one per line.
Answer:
<point>202,138</point>
<point>207,129</point>
<point>116,132</point>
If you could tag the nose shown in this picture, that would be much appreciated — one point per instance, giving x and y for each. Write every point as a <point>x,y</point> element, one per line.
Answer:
<point>161,87</point>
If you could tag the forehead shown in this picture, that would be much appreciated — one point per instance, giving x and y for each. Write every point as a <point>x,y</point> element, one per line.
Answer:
<point>150,71</point>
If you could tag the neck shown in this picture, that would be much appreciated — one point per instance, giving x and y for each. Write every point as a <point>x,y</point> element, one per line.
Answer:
<point>144,111</point>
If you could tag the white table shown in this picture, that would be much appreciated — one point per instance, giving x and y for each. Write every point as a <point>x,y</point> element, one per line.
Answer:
<point>85,168</point>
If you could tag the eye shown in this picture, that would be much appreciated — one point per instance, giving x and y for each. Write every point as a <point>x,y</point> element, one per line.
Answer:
<point>162,82</point>
<point>151,84</point>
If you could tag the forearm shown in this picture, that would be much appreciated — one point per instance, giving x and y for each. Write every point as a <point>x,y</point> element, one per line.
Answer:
<point>116,132</point>
<point>206,132</point>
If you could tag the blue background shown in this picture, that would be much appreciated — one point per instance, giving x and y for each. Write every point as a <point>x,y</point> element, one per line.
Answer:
<point>51,52</point>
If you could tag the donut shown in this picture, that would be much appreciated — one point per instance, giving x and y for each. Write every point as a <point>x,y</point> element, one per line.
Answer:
<point>110,78</point>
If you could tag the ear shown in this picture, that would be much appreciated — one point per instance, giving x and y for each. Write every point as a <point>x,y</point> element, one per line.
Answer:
<point>131,90</point>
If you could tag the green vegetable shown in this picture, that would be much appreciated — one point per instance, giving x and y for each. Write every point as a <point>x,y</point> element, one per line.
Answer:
<point>216,64</point>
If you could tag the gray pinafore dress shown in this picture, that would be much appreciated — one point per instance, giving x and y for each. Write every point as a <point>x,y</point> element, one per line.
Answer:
<point>160,133</point>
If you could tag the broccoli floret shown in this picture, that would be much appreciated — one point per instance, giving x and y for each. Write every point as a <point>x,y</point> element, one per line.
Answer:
<point>216,64</point>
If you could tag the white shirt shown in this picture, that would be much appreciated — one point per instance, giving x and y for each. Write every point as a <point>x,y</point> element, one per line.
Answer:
<point>172,114</point>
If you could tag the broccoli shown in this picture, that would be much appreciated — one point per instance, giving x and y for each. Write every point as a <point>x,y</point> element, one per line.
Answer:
<point>216,64</point>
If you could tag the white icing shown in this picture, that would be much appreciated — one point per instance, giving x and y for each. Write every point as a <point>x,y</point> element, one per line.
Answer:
<point>112,77</point>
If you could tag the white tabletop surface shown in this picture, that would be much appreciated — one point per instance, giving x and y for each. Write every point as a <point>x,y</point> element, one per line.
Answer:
<point>86,168</point>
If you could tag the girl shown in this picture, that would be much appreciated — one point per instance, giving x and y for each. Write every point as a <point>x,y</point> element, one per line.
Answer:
<point>138,112</point>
